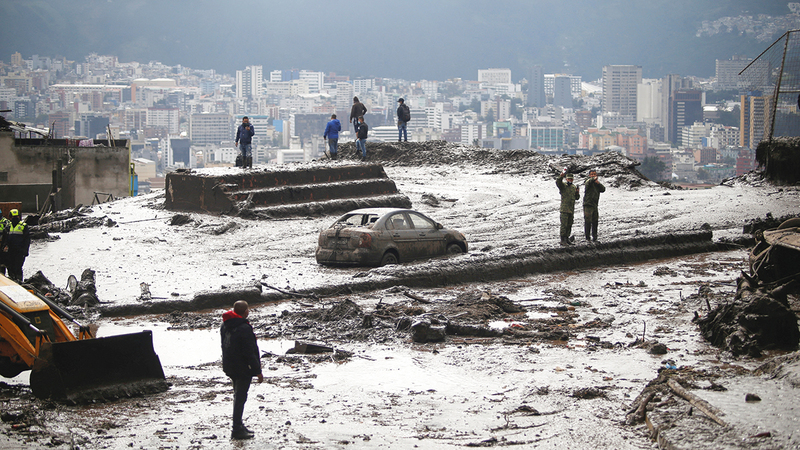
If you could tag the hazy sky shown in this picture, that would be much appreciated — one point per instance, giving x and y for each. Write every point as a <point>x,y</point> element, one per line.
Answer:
<point>411,39</point>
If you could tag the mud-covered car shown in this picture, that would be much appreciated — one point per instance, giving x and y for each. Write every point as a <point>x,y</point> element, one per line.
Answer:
<point>380,236</point>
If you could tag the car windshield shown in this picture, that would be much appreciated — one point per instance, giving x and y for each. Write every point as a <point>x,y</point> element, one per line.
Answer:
<point>357,220</point>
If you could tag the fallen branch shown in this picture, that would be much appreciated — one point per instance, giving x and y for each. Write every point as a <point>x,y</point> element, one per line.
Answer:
<point>415,297</point>
<point>296,294</point>
<point>705,407</point>
<point>637,416</point>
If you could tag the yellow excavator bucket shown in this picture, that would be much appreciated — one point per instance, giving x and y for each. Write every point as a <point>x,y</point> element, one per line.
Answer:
<point>87,369</point>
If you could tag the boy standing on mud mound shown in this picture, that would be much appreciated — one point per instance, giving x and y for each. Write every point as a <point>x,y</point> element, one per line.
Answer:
<point>569,193</point>
<point>591,197</point>
<point>240,361</point>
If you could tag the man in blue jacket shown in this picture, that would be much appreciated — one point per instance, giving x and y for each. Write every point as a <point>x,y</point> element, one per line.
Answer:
<point>244,139</point>
<point>332,135</point>
<point>240,361</point>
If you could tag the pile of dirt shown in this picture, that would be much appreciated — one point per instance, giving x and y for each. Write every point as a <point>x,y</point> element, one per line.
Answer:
<point>619,170</point>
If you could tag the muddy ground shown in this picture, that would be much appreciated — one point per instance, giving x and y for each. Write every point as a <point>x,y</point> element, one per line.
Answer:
<point>550,360</point>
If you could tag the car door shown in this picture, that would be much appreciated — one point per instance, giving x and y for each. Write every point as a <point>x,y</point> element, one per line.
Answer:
<point>404,236</point>
<point>430,239</point>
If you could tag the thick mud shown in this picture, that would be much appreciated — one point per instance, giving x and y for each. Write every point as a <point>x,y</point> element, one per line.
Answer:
<point>518,343</point>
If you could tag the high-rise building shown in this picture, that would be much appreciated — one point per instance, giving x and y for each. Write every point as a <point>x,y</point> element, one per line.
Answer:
<point>728,71</point>
<point>648,101</point>
<point>536,95</point>
<point>753,119</point>
<point>619,89</point>
<point>686,108</point>
<point>562,92</point>
<point>164,117</point>
<point>249,82</point>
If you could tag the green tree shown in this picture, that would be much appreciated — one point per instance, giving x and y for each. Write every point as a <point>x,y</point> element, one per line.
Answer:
<point>516,108</point>
<point>702,174</point>
<point>653,168</point>
<point>730,118</point>
<point>475,105</point>
<point>277,140</point>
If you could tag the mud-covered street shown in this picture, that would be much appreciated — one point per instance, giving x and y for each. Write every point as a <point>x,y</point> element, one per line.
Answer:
<point>431,354</point>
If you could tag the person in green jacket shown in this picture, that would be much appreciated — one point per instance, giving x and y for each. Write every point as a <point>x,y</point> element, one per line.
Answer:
<point>569,193</point>
<point>591,196</point>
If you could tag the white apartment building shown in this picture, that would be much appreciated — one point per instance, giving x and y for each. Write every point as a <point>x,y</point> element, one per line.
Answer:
<point>494,76</point>
<point>362,86</point>
<point>211,128</point>
<point>314,80</point>
<point>575,81</point>
<point>648,101</point>
<point>288,88</point>
<point>249,82</point>
<point>722,137</point>
<point>692,136</point>
<point>619,88</point>
<point>500,108</point>
<point>472,132</point>
<point>430,88</point>
<point>344,95</point>
<point>728,72</point>
<point>225,154</point>
<point>164,117</point>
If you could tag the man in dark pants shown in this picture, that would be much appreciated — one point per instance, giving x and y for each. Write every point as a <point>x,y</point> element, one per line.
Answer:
<point>332,130</point>
<point>569,193</point>
<point>591,197</point>
<point>403,117</point>
<point>361,142</point>
<point>240,361</point>
<point>16,244</point>
<point>356,111</point>
<point>244,139</point>
<point>5,225</point>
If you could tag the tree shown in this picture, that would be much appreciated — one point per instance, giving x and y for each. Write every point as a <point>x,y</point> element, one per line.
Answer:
<point>653,168</point>
<point>702,174</point>
<point>730,118</point>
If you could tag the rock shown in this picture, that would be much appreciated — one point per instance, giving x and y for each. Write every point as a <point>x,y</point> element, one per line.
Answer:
<point>422,331</point>
<point>752,398</point>
<point>658,349</point>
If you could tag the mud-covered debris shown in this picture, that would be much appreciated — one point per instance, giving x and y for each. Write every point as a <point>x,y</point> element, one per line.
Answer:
<point>225,228</point>
<point>424,331</point>
<point>179,320</point>
<point>430,199</point>
<point>588,393</point>
<point>555,292</point>
<point>180,219</point>
<point>85,293</point>
<point>145,295</point>
<point>768,222</point>
<point>780,159</point>
<point>308,348</point>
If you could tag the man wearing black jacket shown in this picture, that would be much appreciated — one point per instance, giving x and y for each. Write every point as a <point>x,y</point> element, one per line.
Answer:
<point>240,361</point>
<point>356,111</point>
<point>361,142</point>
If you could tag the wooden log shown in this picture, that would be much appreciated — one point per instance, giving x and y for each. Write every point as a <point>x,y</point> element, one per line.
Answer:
<point>706,408</point>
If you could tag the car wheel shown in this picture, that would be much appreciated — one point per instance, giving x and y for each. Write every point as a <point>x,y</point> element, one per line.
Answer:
<point>453,249</point>
<point>388,258</point>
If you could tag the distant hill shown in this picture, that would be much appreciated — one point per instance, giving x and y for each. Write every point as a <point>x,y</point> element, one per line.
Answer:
<point>414,39</point>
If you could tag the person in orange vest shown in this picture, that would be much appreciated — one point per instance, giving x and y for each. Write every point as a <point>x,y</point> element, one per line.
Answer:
<point>16,243</point>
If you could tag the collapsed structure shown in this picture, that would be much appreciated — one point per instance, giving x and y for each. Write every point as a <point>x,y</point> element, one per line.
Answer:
<point>283,191</point>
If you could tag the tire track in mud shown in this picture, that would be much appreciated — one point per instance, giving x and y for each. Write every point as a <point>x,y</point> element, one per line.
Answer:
<point>467,268</point>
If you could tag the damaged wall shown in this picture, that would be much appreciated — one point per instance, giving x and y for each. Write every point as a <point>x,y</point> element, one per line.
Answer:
<point>27,165</point>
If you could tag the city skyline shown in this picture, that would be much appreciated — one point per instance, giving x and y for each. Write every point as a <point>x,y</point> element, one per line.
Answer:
<point>420,40</point>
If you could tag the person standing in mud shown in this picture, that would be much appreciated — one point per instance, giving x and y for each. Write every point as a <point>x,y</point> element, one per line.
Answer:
<point>569,193</point>
<point>16,244</point>
<point>244,139</point>
<point>5,225</point>
<point>240,361</point>
<point>403,117</point>
<point>591,197</point>
<point>358,110</point>
<point>361,142</point>
<point>332,130</point>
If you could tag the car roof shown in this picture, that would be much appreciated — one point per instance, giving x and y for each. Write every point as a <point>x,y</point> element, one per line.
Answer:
<point>377,211</point>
